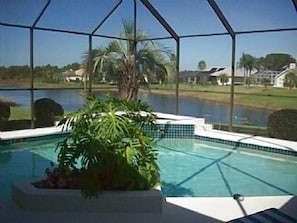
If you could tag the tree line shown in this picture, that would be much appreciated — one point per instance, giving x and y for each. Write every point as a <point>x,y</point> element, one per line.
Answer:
<point>273,61</point>
<point>47,73</point>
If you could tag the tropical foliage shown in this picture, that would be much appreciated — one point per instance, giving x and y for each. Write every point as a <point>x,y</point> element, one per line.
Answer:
<point>109,147</point>
<point>131,61</point>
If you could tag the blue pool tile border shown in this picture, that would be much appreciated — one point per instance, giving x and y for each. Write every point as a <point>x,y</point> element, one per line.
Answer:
<point>181,131</point>
<point>247,145</point>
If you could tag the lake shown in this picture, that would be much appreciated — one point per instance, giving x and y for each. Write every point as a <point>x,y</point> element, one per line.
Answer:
<point>213,112</point>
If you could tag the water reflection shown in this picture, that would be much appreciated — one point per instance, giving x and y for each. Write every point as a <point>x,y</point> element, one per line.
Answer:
<point>213,112</point>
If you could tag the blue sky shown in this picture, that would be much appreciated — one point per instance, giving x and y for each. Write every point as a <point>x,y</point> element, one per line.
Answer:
<point>185,16</point>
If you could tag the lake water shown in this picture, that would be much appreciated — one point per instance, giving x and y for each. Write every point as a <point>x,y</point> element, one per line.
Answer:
<point>213,112</point>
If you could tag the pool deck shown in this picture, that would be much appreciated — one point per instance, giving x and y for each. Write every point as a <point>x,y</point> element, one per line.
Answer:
<point>175,209</point>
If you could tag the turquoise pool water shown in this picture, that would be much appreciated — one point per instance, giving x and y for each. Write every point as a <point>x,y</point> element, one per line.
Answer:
<point>204,169</point>
<point>188,168</point>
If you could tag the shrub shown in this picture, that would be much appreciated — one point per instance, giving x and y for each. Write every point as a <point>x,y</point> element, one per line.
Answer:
<point>4,112</point>
<point>46,110</point>
<point>282,124</point>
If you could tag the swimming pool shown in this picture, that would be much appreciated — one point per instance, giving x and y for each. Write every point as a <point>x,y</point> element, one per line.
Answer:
<point>189,167</point>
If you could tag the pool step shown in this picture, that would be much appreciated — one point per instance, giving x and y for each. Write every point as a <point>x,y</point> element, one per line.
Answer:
<point>203,127</point>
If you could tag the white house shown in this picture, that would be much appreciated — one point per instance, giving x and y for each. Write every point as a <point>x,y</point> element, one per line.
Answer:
<point>280,78</point>
<point>238,75</point>
<point>77,75</point>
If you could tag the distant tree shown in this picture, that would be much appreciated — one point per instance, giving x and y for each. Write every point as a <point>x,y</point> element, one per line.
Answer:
<point>201,65</point>
<point>73,66</point>
<point>51,76</point>
<point>276,61</point>
<point>223,78</point>
<point>248,81</point>
<point>15,72</point>
<point>3,73</point>
<point>259,64</point>
<point>248,63</point>
<point>265,81</point>
<point>291,80</point>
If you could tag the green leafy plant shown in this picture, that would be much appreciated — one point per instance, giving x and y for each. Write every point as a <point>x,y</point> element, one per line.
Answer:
<point>108,147</point>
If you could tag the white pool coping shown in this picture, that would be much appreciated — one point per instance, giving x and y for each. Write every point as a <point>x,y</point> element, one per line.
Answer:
<point>250,139</point>
<point>25,133</point>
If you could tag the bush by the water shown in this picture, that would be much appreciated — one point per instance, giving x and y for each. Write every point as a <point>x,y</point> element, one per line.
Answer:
<point>46,111</point>
<point>4,111</point>
<point>282,124</point>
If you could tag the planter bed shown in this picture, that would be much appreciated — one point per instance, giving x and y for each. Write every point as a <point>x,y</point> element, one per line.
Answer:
<point>30,198</point>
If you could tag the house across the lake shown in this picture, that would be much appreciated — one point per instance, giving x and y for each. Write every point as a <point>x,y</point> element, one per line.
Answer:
<point>77,75</point>
<point>279,79</point>
<point>211,75</point>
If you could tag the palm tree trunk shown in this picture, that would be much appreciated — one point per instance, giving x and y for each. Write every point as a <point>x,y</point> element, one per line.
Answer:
<point>128,87</point>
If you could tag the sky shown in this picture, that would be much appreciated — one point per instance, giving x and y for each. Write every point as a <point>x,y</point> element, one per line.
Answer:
<point>186,17</point>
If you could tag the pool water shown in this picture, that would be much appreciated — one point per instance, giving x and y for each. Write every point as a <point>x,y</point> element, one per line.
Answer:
<point>204,169</point>
<point>188,168</point>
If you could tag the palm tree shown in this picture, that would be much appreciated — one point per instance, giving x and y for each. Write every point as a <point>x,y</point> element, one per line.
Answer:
<point>242,64</point>
<point>201,65</point>
<point>131,60</point>
<point>171,70</point>
<point>223,78</point>
<point>291,79</point>
<point>248,63</point>
<point>259,63</point>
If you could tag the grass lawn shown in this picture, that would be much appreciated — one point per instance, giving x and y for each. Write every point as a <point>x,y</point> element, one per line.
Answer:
<point>17,113</point>
<point>254,96</point>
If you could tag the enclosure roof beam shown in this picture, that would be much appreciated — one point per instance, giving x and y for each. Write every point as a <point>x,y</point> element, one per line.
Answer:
<point>107,16</point>
<point>267,30</point>
<point>221,16</point>
<point>41,13</point>
<point>295,4</point>
<point>59,30</point>
<point>15,25</point>
<point>158,16</point>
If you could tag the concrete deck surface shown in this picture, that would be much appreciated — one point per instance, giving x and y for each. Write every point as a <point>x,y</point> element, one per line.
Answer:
<point>175,210</point>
